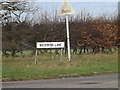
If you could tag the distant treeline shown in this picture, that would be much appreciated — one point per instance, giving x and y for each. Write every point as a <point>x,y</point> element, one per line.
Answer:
<point>86,33</point>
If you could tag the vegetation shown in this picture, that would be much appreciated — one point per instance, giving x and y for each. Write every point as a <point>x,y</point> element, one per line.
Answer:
<point>50,66</point>
<point>93,41</point>
<point>86,32</point>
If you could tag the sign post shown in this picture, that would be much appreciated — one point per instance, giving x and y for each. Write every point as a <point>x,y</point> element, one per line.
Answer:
<point>68,38</point>
<point>67,9</point>
<point>36,56</point>
<point>43,45</point>
<point>61,50</point>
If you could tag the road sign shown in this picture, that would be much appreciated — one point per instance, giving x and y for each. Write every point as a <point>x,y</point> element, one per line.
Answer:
<point>50,45</point>
<point>66,9</point>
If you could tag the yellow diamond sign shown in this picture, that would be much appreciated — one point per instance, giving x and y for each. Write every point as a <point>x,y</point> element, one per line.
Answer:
<point>66,9</point>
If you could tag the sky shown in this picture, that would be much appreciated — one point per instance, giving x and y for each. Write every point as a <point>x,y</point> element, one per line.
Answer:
<point>93,8</point>
<point>67,0</point>
<point>77,0</point>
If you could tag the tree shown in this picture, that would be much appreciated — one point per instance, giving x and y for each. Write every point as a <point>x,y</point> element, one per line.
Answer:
<point>11,20</point>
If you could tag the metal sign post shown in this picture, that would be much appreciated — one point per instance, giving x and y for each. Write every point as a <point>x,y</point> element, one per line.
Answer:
<point>66,10</point>
<point>68,38</point>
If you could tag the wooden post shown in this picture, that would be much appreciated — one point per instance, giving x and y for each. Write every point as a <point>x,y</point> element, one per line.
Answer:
<point>61,50</point>
<point>36,56</point>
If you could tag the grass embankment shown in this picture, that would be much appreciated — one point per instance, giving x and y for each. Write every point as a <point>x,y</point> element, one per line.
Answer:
<point>49,66</point>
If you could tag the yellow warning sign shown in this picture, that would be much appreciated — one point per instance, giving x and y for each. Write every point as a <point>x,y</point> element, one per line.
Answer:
<point>66,9</point>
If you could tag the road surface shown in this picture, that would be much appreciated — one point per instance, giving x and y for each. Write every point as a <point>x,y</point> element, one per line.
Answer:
<point>100,81</point>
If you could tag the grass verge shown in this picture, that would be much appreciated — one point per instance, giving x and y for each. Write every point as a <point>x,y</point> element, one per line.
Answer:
<point>49,66</point>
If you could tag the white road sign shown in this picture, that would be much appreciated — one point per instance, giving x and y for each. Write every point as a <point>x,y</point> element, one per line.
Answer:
<point>50,45</point>
<point>66,9</point>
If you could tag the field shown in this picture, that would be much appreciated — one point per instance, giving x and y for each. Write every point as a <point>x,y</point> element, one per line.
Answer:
<point>50,66</point>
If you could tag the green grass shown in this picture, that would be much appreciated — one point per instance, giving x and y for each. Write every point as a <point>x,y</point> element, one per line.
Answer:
<point>50,66</point>
<point>53,51</point>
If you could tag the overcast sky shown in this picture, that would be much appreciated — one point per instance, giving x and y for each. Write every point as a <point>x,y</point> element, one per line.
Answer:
<point>78,0</point>
<point>67,0</point>
<point>94,8</point>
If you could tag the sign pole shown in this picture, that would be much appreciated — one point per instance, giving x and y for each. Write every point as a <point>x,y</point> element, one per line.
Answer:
<point>61,50</point>
<point>66,10</point>
<point>36,56</point>
<point>68,38</point>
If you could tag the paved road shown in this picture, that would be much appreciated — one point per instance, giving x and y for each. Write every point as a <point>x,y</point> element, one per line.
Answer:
<point>100,81</point>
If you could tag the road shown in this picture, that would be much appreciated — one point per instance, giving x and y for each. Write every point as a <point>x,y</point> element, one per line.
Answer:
<point>100,81</point>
